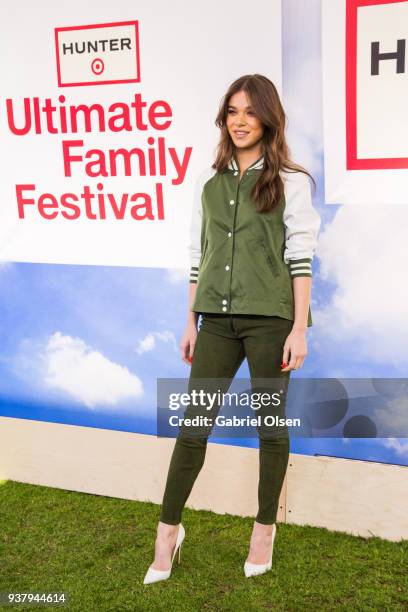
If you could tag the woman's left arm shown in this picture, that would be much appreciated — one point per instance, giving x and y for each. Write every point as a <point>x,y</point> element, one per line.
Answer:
<point>302,224</point>
<point>295,345</point>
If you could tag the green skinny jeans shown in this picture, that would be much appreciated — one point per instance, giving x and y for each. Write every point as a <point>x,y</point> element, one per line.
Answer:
<point>223,342</point>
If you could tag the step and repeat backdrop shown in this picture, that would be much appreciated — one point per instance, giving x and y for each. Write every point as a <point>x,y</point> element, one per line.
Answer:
<point>107,119</point>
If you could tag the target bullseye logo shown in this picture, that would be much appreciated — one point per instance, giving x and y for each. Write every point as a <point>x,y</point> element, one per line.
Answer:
<point>97,66</point>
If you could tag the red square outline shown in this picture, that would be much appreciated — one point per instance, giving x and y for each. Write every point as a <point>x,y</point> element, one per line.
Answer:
<point>353,163</point>
<point>99,25</point>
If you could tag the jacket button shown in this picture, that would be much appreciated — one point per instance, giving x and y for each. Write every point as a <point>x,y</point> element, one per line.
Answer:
<point>224,301</point>
<point>229,234</point>
<point>224,308</point>
<point>227,267</point>
<point>232,202</point>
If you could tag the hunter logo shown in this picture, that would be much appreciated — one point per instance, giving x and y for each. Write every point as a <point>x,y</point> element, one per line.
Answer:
<point>98,54</point>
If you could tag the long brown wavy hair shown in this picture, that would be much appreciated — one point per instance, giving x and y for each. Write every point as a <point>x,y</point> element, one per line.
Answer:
<point>264,98</point>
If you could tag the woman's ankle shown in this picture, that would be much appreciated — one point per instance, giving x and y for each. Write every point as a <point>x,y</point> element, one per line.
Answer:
<point>263,529</point>
<point>167,528</point>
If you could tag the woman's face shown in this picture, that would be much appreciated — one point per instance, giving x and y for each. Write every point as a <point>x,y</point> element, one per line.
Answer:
<point>244,128</point>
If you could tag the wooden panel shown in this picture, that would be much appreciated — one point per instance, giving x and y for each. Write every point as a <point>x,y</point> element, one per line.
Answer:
<point>359,497</point>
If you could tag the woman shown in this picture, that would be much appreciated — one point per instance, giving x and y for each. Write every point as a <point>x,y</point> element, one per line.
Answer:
<point>253,236</point>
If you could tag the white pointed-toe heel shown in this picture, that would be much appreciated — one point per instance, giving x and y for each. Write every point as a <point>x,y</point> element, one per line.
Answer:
<point>254,569</point>
<point>154,575</point>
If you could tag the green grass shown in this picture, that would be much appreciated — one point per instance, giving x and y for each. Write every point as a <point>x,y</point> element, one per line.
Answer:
<point>97,549</point>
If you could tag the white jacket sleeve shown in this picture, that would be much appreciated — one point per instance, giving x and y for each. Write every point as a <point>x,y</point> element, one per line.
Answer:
<point>196,223</point>
<point>302,224</point>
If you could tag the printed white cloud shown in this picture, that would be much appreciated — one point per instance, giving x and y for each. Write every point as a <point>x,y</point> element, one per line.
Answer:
<point>392,417</point>
<point>399,445</point>
<point>87,375</point>
<point>364,253</point>
<point>177,275</point>
<point>149,342</point>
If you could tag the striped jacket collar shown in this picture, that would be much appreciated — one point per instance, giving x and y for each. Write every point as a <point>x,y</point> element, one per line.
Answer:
<point>257,165</point>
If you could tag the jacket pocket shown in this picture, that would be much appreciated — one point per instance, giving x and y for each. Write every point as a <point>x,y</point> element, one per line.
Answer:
<point>270,259</point>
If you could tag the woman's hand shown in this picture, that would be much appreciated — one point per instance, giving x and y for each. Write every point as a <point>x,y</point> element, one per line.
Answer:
<point>295,344</point>
<point>187,342</point>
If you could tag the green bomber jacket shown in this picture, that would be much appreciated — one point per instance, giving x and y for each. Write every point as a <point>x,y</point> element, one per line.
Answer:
<point>243,261</point>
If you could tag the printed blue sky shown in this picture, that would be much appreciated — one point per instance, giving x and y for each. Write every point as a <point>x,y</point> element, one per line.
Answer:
<point>85,344</point>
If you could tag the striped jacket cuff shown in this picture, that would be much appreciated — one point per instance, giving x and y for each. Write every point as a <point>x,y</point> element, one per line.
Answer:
<point>193,274</point>
<point>300,267</point>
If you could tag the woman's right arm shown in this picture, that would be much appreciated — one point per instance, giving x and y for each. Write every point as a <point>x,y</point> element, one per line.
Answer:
<point>188,340</point>
<point>189,337</point>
